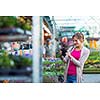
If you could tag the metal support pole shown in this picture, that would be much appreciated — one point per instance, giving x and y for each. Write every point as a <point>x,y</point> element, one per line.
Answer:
<point>37,49</point>
<point>54,36</point>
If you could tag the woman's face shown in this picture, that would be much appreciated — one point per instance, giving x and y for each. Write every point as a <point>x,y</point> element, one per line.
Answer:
<point>77,42</point>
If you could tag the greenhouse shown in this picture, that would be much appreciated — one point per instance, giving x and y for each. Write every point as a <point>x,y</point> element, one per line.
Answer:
<point>30,47</point>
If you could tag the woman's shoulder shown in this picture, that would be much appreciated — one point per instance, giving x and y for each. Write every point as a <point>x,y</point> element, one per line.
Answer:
<point>85,49</point>
<point>70,48</point>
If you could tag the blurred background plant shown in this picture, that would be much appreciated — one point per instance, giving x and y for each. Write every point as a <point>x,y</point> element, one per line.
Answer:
<point>12,61</point>
<point>5,61</point>
<point>52,70</point>
<point>15,21</point>
<point>8,21</point>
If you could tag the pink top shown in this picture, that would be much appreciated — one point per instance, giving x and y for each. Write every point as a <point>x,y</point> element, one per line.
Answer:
<point>72,66</point>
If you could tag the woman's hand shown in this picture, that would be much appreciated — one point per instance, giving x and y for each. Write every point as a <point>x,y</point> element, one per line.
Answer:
<point>68,54</point>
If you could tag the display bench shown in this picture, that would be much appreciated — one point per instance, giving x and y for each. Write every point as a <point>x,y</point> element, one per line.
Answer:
<point>16,79</point>
<point>14,75</point>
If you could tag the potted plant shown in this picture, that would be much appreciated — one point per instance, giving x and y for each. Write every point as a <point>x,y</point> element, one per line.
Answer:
<point>14,65</point>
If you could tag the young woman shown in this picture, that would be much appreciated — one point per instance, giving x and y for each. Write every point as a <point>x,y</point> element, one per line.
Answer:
<point>75,59</point>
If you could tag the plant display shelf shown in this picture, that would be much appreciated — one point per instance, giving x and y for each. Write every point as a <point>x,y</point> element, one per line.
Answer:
<point>13,34</point>
<point>14,75</point>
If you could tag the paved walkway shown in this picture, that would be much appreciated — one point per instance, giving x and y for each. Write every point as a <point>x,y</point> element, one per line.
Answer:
<point>91,78</point>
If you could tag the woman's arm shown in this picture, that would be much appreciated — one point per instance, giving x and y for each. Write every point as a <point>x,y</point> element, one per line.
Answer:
<point>63,59</point>
<point>82,60</point>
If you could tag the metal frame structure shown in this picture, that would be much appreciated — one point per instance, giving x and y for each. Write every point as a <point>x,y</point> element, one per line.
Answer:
<point>37,49</point>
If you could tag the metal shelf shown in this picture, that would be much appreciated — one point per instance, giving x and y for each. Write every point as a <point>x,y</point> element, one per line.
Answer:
<point>13,75</point>
<point>16,79</point>
<point>13,34</point>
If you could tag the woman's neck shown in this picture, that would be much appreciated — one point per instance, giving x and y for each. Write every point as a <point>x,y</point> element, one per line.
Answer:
<point>79,47</point>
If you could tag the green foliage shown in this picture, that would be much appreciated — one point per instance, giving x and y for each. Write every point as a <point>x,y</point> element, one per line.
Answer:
<point>86,43</point>
<point>5,61</point>
<point>92,65</point>
<point>13,21</point>
<point>94,58</point>
<point>53,68</point>
<point>47,62</point>
<point>8,21</point>
<point>26,26</point>
<point>58,67</point>
<point>11,61</point>
<point>91,70</point>
<point>21,61</point>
